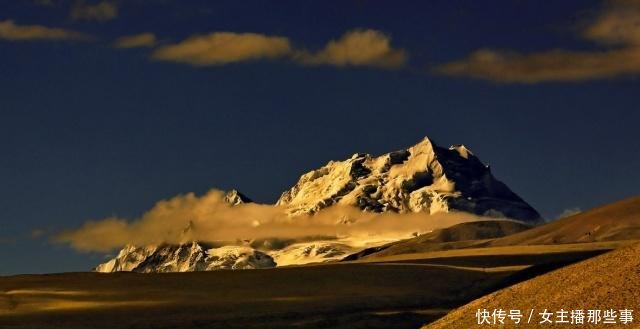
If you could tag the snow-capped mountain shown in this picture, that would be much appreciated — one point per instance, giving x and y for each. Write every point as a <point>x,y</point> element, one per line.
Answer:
<point>423,177</point>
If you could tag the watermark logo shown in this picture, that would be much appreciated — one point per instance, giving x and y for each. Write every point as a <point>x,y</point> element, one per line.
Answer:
<point>545,316</point>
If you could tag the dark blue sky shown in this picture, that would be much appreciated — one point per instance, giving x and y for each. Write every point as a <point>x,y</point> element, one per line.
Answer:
<point>89,131</point>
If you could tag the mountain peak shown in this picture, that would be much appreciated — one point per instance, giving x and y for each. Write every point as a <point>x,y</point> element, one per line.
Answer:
<point>425,141</point>
<point>235,198</point>
<point>423,177</point>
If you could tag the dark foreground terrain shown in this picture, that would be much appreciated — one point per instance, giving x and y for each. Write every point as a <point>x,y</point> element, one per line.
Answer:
<point>406,285</point>
<point>389,293</point>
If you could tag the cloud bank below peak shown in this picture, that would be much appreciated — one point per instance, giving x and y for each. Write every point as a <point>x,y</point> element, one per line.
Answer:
<point>209,217</point>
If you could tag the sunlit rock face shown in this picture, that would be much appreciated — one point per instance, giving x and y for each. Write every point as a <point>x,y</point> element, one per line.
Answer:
<point>421,178</point>
<point>235,198</point>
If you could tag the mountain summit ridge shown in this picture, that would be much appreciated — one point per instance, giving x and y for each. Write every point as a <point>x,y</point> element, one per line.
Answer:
<point>423,177</point>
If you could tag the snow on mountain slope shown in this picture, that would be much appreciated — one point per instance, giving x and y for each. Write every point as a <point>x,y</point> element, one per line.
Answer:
<point>127,259</point>
<point>312,252</point>
<point>423,177</point>
<point>194,256</point>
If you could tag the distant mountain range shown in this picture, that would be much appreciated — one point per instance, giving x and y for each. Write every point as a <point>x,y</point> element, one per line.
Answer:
<point>422,178</point>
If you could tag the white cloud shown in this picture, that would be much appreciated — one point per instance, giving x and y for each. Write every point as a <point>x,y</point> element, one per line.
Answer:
<point>618,27</point>
<point>357,48</point>
<point>11,31</point>
<point>219,48</point>
<point>354,48</point>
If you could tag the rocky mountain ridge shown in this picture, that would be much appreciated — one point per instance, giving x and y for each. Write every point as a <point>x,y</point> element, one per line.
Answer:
<point>188,257</point>
<point>421,178</point>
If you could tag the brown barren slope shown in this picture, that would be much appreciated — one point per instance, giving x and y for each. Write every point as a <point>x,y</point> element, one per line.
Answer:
<point>463,235</point>
<point>609,281</point>
<point>615,221</point>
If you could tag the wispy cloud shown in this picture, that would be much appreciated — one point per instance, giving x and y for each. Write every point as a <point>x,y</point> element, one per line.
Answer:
<point>101,11</point>
<point>354,48</point>
<point>554,65</point>
<point>219,48</point>
<point>11,31</point>
<point>617,28</point>
<point>618,24</point>
<point>357,48</point>
<point>136,40</point>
